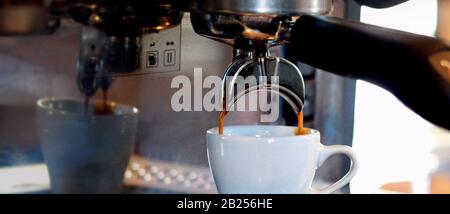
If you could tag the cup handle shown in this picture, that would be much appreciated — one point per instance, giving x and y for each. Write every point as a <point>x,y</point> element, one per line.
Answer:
<point>325,153</point>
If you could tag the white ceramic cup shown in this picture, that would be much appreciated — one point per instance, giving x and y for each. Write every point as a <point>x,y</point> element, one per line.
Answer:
<point>85,153</point>
<point>270,159</point>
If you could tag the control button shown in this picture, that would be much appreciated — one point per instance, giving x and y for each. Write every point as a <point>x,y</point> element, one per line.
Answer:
<point>169,57</point>
<point>152,59</point>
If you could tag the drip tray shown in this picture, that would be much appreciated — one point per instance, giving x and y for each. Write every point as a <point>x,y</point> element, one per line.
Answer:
<point>143,176</point>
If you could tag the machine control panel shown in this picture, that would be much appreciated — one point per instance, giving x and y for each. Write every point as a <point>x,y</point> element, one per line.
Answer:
<point>161,51</point>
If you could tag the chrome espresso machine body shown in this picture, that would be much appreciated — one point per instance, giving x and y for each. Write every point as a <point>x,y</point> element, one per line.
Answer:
<point>121,39</point>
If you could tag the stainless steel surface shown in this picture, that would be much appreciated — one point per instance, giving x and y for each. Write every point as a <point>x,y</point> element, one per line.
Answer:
<point>153,176</point>
<point>160,51</point>
<point>42,66</point>
<point>125,38</point>
<point>285,7</point>
<point>254,20</point>
<point>120,17</point>
<point>102,56</point>
<point>254,29</point>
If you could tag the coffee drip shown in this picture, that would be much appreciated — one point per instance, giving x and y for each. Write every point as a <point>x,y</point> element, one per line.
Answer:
<point>269,67</point>
<point>222,115</point>
<point>275,75</point>
<point>103,107</point>
<point>300,129</point>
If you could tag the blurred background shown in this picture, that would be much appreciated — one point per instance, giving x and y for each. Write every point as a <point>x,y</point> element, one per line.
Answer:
<point>395,144</point>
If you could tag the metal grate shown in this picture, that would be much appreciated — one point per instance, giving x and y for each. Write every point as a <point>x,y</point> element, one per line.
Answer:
<point>169,177</point>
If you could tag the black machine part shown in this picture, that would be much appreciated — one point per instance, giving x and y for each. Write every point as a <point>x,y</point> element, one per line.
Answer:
<point>415,68</point>
<point>380,3</point>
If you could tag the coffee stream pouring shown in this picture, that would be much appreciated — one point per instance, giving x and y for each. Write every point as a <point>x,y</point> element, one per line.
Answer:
<point>257,61</point>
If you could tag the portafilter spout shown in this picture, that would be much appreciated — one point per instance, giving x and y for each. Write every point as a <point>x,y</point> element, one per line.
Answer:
<point>273,74</point>
<point>252,35</point>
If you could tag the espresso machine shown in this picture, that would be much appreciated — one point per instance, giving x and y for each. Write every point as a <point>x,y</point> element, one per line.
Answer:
<point>141,45</point>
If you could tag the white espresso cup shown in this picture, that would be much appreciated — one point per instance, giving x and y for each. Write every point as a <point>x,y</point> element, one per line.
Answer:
<point>85,153</point>
<point>270,159</point>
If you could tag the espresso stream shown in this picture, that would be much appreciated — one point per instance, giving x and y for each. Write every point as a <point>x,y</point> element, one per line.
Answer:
<point>101,108</point>
<point>300,129</point>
